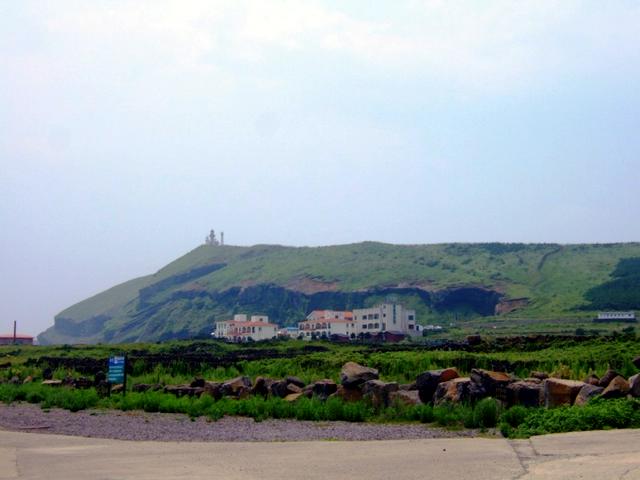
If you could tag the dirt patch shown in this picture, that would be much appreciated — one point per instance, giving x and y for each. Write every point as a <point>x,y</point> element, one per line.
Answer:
<point>309,286</point>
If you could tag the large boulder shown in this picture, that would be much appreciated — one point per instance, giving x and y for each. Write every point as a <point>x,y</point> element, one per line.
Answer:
<point>405,397</point>
<point>592,379</point>
<point>146,387</point>
<point>586,393</point>
<point>213,389</point>
<point>354,374</point>
<point>239,387</point>
<point>261,386</point>
<point>197,382</point>
<point>525,393</point>
<point>290,379</point>
<point>179,390</point>
<point>539,375</point>
<point>634,386</point>
<point>292,397</point>
<point>377,392</point>
<point>493,383</point>
<point>427,382</point>
<point>607,377</point>
<point>458,390</point>
<point>348,394</point>
<point>323,388</point>
<point>617,388</point>
<point>558,391</point>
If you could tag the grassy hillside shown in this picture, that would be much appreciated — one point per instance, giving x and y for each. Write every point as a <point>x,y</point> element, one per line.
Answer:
<point>464,282</point>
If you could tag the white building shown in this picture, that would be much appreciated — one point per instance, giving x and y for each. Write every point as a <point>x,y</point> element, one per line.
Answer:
<point>241,328</point>
<point>616,317</point>
<point>387,317</point>
<point>324,323</point>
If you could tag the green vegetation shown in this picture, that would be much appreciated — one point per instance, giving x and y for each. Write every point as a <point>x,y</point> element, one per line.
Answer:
<point>569,358</point>
<point>185,298</point>
<point>621,293</point>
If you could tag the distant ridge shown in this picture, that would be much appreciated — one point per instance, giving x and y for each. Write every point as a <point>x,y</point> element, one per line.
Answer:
<point>465,280</point>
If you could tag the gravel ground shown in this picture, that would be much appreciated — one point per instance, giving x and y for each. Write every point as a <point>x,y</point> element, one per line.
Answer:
<point>173,427</point>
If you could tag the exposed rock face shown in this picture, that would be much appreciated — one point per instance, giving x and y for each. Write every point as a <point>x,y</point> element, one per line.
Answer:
<point>617,388</point>
<point>378,392</point>
<point>354,374</point>
<point>634,385</point>
<point>607,377</point>
<point>558,391</point>
<point>586,393</point>
<point>527,394</point>
<point>427,382</point>
<point>405,397</point>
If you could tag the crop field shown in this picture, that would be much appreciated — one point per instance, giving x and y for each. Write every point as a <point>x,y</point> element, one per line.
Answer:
<point>172,363</point>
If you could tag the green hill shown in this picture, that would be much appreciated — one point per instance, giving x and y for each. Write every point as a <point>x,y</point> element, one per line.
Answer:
<point>443,281</point>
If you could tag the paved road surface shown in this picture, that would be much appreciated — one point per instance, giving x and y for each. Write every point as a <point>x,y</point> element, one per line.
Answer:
<point>598,455</point>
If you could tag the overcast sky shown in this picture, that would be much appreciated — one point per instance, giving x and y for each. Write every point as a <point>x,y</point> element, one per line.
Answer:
<point>128,129</point>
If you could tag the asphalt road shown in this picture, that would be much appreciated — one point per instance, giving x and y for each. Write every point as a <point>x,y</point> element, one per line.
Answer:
<point>597,455</point>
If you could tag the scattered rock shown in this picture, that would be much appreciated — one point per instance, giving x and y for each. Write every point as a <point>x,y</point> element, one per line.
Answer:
<point>460,389</point>
<point>592,379</point>
<point>427,382</point>
<point>292,397</point>
<point>354,374</point>
<point>607,377</point>
<point>586,393</point>
<point>197,383</point>
<point>262,386</point>
<point>493,383</point>
<point>213,389</point>
<point>539,375</point>
<point>634,385</point>
<point>118,388</point>
<point>474,340</point>
<point>377,392</point>
<point>52,383</point>
<point>405,397</point>
<point>558,391</point>
<point>617,388</point>
<point>295,381</point>
<point>323,388</point>
<point>181,390</point>
<point>29,379</point>
<point>525,393</point>
<point>348,394</point>
<point>146,387</point>
<point>239,387</point>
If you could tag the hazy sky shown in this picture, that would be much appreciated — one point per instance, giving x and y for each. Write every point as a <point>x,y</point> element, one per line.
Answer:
<point>128,129</point>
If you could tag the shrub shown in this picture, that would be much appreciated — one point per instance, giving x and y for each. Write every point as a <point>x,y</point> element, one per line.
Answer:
<point>485,413</point>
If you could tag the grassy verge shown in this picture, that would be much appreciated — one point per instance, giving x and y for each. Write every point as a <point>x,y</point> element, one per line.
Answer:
<point>517,422</point>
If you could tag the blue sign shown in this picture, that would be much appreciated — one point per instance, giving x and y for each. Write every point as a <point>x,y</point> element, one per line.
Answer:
<point>116,370</point>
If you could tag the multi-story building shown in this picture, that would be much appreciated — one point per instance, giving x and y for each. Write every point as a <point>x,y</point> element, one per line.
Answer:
<point>325,323</point>
<point>242,329</point>
<point>387,317</point>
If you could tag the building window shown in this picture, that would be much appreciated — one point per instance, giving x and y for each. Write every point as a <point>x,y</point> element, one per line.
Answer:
<point>376,316</point>
<point>375,325</point>
<point>410,317</point>
<point>364,326</point>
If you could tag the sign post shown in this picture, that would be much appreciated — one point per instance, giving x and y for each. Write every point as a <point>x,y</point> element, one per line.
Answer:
<point>118,371</point>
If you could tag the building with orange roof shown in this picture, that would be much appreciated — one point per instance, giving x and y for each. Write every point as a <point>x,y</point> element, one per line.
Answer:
<point>243,329</point>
